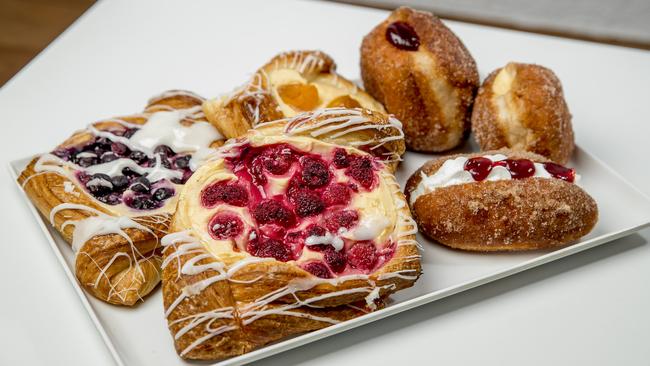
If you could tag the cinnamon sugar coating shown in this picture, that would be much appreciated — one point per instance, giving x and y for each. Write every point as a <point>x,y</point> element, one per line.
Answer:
<point>504,215</point>
<point>522,107</point>
<point>430,90</point>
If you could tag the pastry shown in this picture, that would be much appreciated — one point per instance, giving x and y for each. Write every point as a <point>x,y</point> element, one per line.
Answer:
<point>290,83</point>
<point>522,107</point>
<point>424,75</point>
<point>110,190</point>
<point>281,233</point>
<point>500,201</point>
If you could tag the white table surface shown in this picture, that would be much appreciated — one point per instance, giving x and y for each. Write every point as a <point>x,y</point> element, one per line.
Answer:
<point>591,308</point>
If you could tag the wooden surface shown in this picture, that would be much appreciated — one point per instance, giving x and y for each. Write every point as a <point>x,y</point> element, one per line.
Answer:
<point>28,26</point>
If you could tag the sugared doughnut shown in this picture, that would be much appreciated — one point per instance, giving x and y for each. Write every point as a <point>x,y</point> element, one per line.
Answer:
<point>522,107</point>
<point>499,201</point>
<point>424,75</point>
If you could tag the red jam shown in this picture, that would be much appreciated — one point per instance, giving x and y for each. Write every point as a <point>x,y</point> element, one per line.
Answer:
<point>480,167</point>
<point>314,202</point>
<point>560,172</point>
<point>402,36</point>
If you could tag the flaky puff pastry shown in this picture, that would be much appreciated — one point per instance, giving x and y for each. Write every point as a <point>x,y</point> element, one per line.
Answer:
<point>116,247</point>
<point>499,213</point>
<point>424,75</point>
<point>290,83</point>
<point>282,234</point>
<point>522,107</point>
<point>374,132</point>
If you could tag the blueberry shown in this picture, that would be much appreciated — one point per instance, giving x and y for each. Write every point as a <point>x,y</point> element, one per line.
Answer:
<point>128,133</point>
<point>120,182</point>
<point>108,157</point>
<point>165,162</point>
<point>162,194</point>
<point>99,184</point>
<point>130,173</point>
<point>182,162</point>
<point>141,185</point>
<point>120,149</point>
<point>86,161</point>
<point>112,199</point>
<point>142,202</point>
<point>65,154</point>
<point>138,156</point>
<point>164,150</point>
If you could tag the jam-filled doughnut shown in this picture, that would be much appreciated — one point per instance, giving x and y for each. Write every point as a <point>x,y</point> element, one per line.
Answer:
<point>424,75</point>
<point>499,200</point>
<point>522,107</point>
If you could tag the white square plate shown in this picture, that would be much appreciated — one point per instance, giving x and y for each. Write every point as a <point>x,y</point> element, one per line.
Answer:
<point>139,336</point>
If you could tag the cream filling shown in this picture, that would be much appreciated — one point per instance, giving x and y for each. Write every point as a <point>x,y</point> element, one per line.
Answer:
<point>377,211</point>
<point>453,172</point>
<point>516,134</point>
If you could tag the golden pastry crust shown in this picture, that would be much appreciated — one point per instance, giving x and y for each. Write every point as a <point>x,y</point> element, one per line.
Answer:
<point>522,107</point>
<point>430,90</point>
<point>373,132</point>
<point>119,268</point>
<point>503,215</point>
<point>260,300</point>
<point>290,83</point>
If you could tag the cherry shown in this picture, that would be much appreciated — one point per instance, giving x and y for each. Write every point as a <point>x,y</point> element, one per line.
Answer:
<point>318,269</point>
<point>225,226</point>
<point>479,167</point>
<point>273,212</point>
<point>362,255</point>
<point>402,36</point>
<point>519,168</point>
<point>224,191</point>
<point>314,172</point>
<point>336,194</point>
<point>560,172</point>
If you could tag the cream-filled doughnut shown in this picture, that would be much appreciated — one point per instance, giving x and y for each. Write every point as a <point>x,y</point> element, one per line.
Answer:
<point>522,107</point>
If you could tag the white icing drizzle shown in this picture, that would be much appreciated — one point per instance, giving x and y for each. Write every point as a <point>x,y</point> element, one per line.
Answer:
<point>368,228</point>
<point>453,172</point>
<point>329,238</point>
<point>103,224</point>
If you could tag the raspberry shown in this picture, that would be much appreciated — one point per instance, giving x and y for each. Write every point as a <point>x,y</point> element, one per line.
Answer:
<point>336,260</point>
<point>336,194</point>
<point>341,219</point>
<point>273,212</point>
<point>362,171</point>
<point>341,158</point>
<point>230,193</point>
<point>277,159</point>
<point>265,247</point>
<point>318,269</point>
<point>307,203</point>
<point>316,230</point>
<point>225,226</point>
<point>314,173</point>
<point>362,255</point>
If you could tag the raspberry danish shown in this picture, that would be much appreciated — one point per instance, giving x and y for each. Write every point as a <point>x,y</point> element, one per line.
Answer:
<point>290,83</point>
<point>280,234</point>
<point>110,191</point>
<point>500,200</point>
